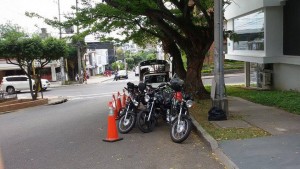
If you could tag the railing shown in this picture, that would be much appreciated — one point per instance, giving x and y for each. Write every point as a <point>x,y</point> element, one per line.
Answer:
<point>5,96</point>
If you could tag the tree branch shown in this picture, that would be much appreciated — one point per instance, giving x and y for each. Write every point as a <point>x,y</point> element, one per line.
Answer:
<point>205,13</point>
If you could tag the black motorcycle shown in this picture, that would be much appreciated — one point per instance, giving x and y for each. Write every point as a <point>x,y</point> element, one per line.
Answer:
<point>127,116</point>
<point>158,105</point>
<point>181,125</point>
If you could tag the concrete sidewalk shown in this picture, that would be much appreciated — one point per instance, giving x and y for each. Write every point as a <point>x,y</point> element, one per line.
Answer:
<point>91,80</point>
<point>279,151</point>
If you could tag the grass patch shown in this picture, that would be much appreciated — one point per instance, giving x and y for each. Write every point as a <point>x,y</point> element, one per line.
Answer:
<point>200,113</point>
<point>228,65</point>
<point>286,100</point>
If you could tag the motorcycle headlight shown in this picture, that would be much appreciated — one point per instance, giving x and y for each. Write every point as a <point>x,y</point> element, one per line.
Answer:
<point>135,102</point>
<point>147,98</point>
<point>189,103</point>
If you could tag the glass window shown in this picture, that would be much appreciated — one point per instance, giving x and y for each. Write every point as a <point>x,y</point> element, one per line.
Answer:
<point>250,31</point>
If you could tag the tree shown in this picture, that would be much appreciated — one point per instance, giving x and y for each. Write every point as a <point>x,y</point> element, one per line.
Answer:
<point>130,63</point>
<point>118,65</point>
<point>119,53</point>
<point>72,61</point>
<point>25,51</point>
<point>182,26</point>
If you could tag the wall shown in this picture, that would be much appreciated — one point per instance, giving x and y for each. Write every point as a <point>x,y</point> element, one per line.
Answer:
<point>291,28</point>
<point>273,33</point>
<point>242,7</point>
<point>286,77</point>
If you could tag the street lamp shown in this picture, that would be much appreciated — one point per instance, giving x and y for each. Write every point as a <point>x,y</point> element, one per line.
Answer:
<point>218,87</point>
<point>62,66</point>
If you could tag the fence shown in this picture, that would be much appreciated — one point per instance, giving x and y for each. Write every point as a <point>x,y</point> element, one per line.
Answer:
<point>6,96</point>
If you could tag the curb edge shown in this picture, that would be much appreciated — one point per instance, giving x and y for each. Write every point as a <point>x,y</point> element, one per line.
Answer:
<point>213,144</point>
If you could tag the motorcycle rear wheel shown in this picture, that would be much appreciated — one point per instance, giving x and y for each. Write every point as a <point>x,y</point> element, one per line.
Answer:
<point>126,125</point>
<point>180,132</point>
<point>144,125</point>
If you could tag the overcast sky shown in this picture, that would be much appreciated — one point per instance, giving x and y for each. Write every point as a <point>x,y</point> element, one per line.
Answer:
<point>14,11</point>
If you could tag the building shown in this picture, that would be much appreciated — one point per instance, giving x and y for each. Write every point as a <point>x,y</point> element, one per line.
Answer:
<point>96,60</point>
<point>48,72</point>
<point>268,40</point>
<point>99,55</point>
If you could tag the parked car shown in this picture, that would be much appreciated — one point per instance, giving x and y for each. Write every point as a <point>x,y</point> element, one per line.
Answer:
<point>12,84</point>
<point>122,74</point>
<point>45,84</point>
<point>108,73</point>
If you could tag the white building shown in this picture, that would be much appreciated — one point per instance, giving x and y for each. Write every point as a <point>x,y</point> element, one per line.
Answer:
<point>96,59</point>
<point>269,38</point>
<point>10,69</point>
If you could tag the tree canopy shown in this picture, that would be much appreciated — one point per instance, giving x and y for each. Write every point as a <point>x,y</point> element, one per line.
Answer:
<point>25,51</point>
<point>182,26</point>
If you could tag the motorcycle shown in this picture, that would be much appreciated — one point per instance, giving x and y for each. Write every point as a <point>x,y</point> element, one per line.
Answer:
<point>157,105</point>
<point>127,116</point>
<point>181,124</point>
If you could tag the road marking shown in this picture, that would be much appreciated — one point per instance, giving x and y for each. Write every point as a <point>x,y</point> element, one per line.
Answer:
<point>120,81</point>
<point>70,98</point>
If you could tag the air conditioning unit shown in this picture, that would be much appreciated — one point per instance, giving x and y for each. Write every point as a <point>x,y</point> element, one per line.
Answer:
<point>265,79</point>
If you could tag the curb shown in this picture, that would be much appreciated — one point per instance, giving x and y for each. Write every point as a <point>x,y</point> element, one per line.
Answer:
<point>58,100</point>
<point>21,104</point>
<point>213,144</point>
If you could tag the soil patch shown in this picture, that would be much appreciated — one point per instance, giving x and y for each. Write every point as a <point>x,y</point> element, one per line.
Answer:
<point>11,105</point>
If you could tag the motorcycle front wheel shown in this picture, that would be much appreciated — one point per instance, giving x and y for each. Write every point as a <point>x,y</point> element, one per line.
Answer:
<point>125,125</point>
<point>143,123</point>
<point>180,132</point>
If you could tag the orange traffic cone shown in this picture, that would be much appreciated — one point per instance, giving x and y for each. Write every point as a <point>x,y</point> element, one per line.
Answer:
<point>119,105</point>
<point>124,99</point>
<point>114,104</point>
<point>112,132</point>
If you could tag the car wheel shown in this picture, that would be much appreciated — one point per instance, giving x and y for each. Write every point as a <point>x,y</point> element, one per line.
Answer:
<point>10,90</point>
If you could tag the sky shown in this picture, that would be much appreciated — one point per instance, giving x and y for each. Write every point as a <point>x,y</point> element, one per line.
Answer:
<point>14,11</point>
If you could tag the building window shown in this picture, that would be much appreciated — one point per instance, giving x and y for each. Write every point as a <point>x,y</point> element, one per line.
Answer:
<point>250,32</point>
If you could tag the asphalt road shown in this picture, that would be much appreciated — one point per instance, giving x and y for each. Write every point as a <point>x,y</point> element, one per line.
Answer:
<point>69,136</point>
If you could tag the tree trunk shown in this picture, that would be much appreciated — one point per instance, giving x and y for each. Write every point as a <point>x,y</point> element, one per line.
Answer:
<point>169,46</point>
<point>193,81</point>
<point>32,92</point>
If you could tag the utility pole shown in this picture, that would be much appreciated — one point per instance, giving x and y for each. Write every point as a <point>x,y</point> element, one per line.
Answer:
<point>78,51</point>
<point>62,65</point>
<point>218,86</point>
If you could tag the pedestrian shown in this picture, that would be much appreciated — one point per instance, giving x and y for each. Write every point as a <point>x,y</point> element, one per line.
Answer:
<point>116,76</point>
<point>77,77</point>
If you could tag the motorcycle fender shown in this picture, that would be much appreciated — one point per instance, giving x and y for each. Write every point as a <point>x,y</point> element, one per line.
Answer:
<point>184,117</point>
